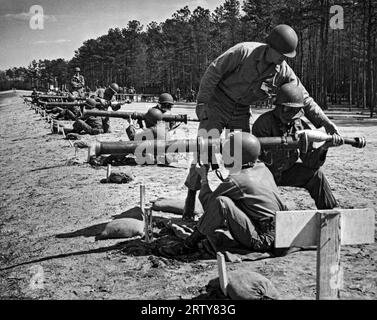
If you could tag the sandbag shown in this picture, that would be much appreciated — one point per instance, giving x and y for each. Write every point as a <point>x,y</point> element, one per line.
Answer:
<point>175,205</point>
<point>122,228</point>
<point>248,285</point>
<point>118,178</point>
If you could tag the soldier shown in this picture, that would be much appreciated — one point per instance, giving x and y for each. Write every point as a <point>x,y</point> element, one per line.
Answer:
<point>69,113</point>
<point>132,91</point>
<point>91,125</point>
<point>104,97</point>
<point>34,96</point>
<point>244,74</point>
<point>245,202</point>
<point>78,82</point>
<point>152,118</point>
<point>154,114</point>
<point>178,94</point>
<point>285,120</point>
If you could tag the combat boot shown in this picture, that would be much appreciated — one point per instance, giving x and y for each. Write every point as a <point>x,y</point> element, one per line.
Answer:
<point>194,238</point>
<point>189,246</point>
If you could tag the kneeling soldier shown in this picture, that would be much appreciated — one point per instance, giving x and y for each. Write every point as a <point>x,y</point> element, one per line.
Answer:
<point>290,168</point>
<point>92,125</point>
<point>153,115</point>
<point>245,202</point>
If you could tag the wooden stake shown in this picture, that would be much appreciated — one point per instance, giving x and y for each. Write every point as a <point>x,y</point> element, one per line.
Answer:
<point>148,228</point>
<point>108,173</point>
<point>63,133</point>
<point>328,256</point>
<point>90,152</point>
<point>142,197</point>
<point>223,277</point>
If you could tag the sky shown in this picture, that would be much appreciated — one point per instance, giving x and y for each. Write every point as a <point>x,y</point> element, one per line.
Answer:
<point>68,23</point>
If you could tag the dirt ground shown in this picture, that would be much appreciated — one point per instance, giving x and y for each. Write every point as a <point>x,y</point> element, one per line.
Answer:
<point>50,206</point>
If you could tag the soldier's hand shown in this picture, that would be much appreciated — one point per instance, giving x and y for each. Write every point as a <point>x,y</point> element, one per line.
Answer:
<point>336,141</point>
<point>331,128</point>
<point>202,170</point>
<point>133,123</point>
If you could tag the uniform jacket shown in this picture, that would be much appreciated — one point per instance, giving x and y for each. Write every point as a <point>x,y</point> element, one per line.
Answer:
<point>243,75</point>
<point>253,190</point>
<point>78,82</point>
<point>279,160</point>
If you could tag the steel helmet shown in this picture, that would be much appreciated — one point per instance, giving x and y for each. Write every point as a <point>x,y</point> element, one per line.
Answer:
<point>152,116</point>
<point>114,87</point>
<point>77,69</point>
<point>165,98</point>
<point>71,97</point>
<point>284,40</point>
<point>290,95</point>
<point>90,103</point>
<point>240,148</point>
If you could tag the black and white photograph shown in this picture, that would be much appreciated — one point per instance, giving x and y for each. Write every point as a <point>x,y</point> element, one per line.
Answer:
<point>192,151</point>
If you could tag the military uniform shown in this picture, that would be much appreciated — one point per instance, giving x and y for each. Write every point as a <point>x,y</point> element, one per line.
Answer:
<point>103,105</point>
<point>235,80</point>
<point>69,113</point>
<point>284,165</point>
<point>245,203</point>
<point>151,127</point>
<point>78,83</point>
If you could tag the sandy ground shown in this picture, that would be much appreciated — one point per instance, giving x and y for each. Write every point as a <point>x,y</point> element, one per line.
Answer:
<point>50,207</point>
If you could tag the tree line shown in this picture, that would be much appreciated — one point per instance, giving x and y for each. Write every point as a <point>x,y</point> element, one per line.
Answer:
<point>338,66</point>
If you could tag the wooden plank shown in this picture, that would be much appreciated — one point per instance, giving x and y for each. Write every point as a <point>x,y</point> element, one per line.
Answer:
<point>357,226</point>
<point>299,228</point>
<point>328,255</point>
<point>223,277</point>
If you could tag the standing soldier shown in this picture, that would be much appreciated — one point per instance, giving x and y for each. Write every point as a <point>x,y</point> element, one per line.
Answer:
<point>78,83</point>
<point>245,74</point>
<point>34,96</point>
<point>178,94</point>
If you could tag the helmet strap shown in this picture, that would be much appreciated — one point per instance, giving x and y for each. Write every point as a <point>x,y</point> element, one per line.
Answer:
<point>219,175</point>
<point>248,165</point>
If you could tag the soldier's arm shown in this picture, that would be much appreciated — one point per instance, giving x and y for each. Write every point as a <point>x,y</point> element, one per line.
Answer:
<point>260,127</point>
<point>312,110</point>
<point>103,102</point>
<point>74,82</point>
<point>226,188</point>
<point>227,62</point>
